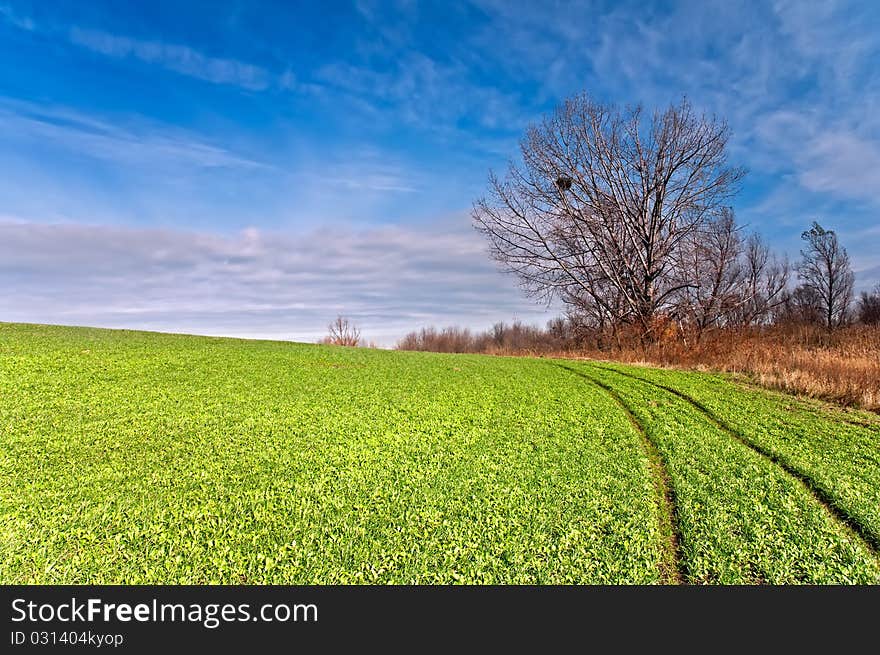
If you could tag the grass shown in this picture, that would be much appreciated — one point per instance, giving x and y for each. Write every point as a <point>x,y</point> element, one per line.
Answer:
<point>131,457</point>
<point>837,451</point>
<point>742,518</point>
<point>841,366</point>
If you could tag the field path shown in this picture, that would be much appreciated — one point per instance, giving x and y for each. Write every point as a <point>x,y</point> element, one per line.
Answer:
<point>822,495</point>
<point>672,564</point>
<point>741,516</point>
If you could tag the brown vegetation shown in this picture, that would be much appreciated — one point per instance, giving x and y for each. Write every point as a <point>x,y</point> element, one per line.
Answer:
<point>502,339</point>
<point>842,366</point>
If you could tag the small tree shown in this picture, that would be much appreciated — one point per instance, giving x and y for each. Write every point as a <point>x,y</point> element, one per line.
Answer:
<point>342,333</point>
<point>498,333</point>
<point>869,307</point>
<point>766,281</point>
<point>712,275</point>
<point>802,305</point>
<point>825,271</point>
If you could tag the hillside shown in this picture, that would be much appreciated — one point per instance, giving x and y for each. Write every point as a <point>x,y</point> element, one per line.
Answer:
<point>135,457</point>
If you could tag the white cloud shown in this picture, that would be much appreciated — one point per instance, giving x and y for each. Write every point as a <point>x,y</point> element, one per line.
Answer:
<point>843,163</point>
<point>362,169</point>
<point>825,155</point>
<point>255,284</point>
<point>427,93</point>
<point>839,34</point>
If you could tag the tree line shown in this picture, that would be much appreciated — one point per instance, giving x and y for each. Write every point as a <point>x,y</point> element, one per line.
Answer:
<point>624,217</point>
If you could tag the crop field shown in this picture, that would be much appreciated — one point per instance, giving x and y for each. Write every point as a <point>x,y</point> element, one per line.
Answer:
<point>135,457</point>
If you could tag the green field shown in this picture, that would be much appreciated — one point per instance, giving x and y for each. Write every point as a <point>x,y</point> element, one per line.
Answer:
<point>133,457</point>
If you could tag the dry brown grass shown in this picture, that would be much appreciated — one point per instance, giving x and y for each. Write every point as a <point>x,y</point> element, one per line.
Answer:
<point>843,366</point>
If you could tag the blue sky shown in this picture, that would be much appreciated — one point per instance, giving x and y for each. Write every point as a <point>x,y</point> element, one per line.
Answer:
<point>253,169</point>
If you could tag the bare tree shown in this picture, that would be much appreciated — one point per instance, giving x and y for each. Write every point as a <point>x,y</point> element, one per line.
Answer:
<point>596,309</point>
<point>601,200</point>
<point>712,277</point>
<point>561,332</point>
<point>342,332</point>
<point>825,271</point>
<point>801,305</point>
<point>765,282</point>
<point>499,331</point>
<point>869,307</point>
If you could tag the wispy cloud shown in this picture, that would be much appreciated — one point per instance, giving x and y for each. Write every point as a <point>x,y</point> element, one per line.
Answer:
<point>424,92</point>
<point>13,18</point>
<point>843,163</point>
<point>823,154</point>
<point>364,169</point>
<point>141,144</point>
<point>178,58</point>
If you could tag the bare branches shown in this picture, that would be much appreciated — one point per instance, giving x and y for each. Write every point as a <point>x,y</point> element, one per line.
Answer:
<point>623,217</point>
<point>342,332</point>
<point>601,201</point>
<point>826,274</point>
<point>712,275</point>
<point>728,280</point>
<point>766,281</point>
<point>869,307</point>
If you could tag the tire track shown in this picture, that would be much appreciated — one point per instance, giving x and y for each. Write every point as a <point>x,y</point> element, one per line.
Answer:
<point>672,563</point>
<point>813,405</point>
<point>849,522</point>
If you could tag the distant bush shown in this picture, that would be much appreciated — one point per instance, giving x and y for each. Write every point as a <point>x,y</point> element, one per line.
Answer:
<point>869,307</point>
<point>342,332</point>
<point>500,339</point>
